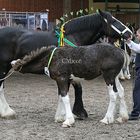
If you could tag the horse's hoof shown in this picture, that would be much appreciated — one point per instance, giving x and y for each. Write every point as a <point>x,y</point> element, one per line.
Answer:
<point>80,115</point>
<point>122,120</point>
<point>68,123</point>
<point>122,78</point>
<point>10,114</point>
<point>107,120</point>
<point>65,125</point>
<point>104,121</point>
<point>128,77</point>
<point>119,120</point>
<point>59,120</point>
<point>9,117</point>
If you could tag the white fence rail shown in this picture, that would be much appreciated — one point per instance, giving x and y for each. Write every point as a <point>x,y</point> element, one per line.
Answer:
<point>28,20</point>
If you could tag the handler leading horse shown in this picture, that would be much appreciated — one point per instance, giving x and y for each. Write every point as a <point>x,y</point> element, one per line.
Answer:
<point>16,43</point>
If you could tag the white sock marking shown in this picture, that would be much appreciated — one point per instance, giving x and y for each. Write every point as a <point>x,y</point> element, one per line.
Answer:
<point>109,117</point>
<point>123,107</point>
<point>5,110</point>
<point>69,116</point>
<point>60,112</point>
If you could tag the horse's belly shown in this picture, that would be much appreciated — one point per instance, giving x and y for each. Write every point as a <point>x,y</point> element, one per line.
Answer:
<point>86,75</point>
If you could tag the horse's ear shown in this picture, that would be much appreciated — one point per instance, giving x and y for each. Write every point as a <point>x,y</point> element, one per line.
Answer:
<point>100,12</point>
<point>106,15</point>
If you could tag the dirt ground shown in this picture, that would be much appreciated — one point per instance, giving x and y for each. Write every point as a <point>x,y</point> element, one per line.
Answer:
<point>34,98</point>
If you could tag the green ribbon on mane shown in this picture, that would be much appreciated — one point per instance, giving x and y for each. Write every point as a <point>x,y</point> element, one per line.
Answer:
<point>65,40</point>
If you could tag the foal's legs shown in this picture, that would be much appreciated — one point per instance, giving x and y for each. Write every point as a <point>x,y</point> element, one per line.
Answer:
<point>60,112</point>
<point>63,86</point>
<point>78,108</point>
<point>123,114</point>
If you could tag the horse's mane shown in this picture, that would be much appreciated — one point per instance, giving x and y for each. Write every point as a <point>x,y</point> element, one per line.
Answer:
<point>28,58</point>
<point>87,22</point>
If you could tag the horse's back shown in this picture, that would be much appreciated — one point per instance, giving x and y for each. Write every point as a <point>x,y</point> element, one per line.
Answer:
<point>32,40</point>
<point>8,42</point>
<point>96,56</point>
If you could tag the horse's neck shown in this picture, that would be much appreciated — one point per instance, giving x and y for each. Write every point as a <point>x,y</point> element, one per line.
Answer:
<point>84,38</point>
<point>73,39</point>
<point>85,29</point>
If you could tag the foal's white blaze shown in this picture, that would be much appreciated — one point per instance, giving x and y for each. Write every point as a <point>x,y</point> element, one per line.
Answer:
<point>69,116</point>
<point>109,117</point>
<point>5,110</point>
<point>123,114</point>
<point>60,112</point>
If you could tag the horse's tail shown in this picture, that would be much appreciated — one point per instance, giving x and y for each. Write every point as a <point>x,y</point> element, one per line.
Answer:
<point>125,68</point>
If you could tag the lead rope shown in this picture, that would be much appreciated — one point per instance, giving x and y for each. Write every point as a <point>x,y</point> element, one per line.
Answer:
<point>10,73</point>
<point>46,69</point>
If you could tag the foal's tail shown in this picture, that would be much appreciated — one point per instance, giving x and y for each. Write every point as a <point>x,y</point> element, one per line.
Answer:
<point>125,73</point>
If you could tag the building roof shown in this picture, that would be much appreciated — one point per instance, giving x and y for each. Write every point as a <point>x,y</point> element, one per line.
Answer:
<point>126,1</point>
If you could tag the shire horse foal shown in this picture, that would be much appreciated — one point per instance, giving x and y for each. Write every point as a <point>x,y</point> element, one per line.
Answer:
<point>86,62</point>
<point>86,30</point>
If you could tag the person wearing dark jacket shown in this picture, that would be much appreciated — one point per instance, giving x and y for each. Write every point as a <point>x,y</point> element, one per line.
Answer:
<point>135,114</point>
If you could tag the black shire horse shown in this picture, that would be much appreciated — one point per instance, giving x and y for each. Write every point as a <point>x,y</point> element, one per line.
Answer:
<point>16,43</point>
<point>86,62</point>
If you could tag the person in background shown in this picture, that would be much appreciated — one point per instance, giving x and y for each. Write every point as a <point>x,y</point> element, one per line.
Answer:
<point>135,114</point>
<point>38,29</point>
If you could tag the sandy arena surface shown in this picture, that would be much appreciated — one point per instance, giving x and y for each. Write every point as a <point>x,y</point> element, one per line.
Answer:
<point>34,98</point>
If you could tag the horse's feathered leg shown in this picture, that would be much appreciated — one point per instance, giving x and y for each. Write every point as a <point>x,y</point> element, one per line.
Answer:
<point>63,87</point>
<point>123,114</point>
<point>109,77</point>
<point>60,112</point>
<point>109,117</point>
<point>115,89</point>
<point>5,110</point>
<point>78,108</point>
<point>125,73</point>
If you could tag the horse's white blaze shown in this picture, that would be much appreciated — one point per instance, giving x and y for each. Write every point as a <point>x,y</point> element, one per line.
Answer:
<point>109,117</point>
<point>5,110</point>
<point>60,112</point>
<point>69,116</point>
<point>123,109</point>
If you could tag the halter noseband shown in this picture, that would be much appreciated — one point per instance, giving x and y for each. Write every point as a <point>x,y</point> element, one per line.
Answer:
<point>117,30</point>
